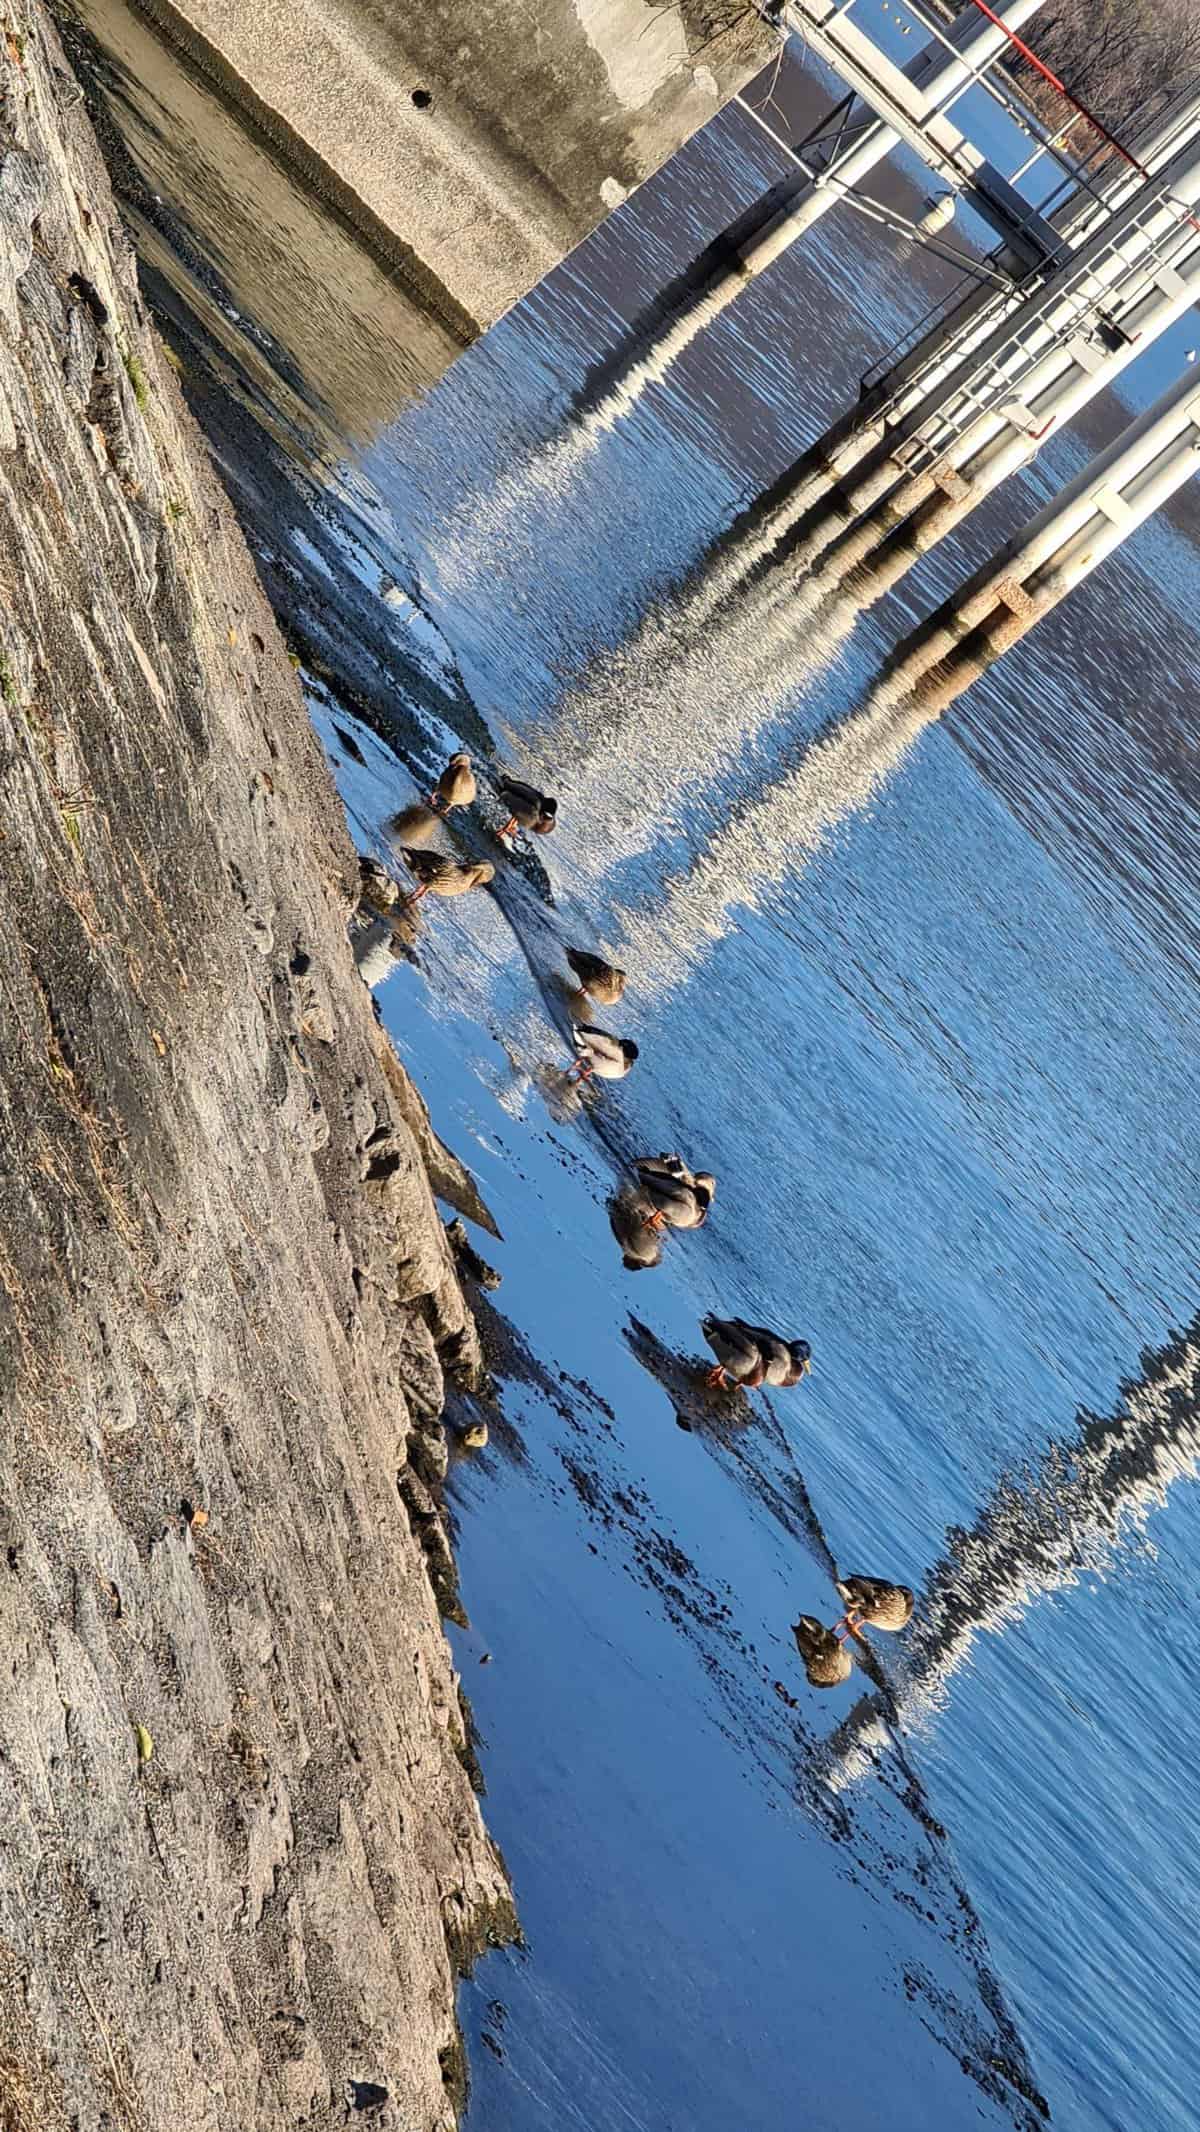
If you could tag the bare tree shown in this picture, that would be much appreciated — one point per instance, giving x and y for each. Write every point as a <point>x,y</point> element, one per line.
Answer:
<point>1119,57</point>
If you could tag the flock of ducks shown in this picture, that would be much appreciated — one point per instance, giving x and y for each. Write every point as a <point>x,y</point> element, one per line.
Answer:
<point>663,1193</point>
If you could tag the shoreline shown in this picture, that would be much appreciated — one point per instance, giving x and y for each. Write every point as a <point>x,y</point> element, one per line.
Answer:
<point>246,1862</point>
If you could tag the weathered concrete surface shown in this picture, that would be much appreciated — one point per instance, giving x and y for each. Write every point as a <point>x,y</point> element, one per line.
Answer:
<point>540,115</point>
<point>240,1854</point>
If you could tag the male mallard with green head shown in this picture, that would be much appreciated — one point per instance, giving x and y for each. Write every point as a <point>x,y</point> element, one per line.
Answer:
<point>785,1362</point>
<point>596,1052</point>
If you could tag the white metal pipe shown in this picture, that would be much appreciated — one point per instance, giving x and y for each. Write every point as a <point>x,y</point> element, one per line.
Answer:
<point>1114,274</point>
<point>944,74</point>
<point>1042,370</point>
<point>940,73</point>
<point>1114,494</point>
<point>879,549</point>
<point>1076,220</point>
<point>1174,415</point>
<point>1113,520</point>
<point>1086,220</point>
<point>1060,388</point>
<point>1094,245</point>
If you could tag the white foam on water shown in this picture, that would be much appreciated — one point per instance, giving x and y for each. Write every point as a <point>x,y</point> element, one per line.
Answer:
<point>1038,1534</point>
<point>779,836</point>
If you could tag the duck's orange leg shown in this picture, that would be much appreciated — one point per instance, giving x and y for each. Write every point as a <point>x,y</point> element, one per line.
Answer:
<point>510,827</point>
<point>717,1378</point>
<point>849,1622</point>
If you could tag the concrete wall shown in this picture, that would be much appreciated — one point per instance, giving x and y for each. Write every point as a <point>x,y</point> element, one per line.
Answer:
<point>542,114</point>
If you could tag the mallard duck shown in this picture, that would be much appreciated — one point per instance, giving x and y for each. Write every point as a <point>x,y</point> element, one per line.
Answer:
<point>677,1199</point>
<point>641,1247</point>
<point>599,1053</point>
<point>412,825</point>
<point>826,1660</point>
<point>874,1604</point>
<point>738,1357</point>
<point>600,980</point>
<point>664,1166</point>
<point>531,809</point>
<point>455,787</point>
<point>442,876</point>
<point>785,1362</point>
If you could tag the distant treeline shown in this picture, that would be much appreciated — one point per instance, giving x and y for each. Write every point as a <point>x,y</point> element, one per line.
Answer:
<point>1120,57</point>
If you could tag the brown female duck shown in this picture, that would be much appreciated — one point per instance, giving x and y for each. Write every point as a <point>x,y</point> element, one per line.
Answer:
<point>826,1660</point>
<point>443,876</point>
<point>871,1603</point>
<point>455,787</point>
<point>674,1197</point>
<point>641,1247</point>
<point>601,980</point>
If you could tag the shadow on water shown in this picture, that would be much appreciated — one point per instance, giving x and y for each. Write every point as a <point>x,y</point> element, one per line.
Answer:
<point>727,1426</point>
<point>721,1420</point>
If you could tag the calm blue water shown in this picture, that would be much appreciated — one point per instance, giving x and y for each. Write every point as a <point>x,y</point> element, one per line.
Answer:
<point>924,1000</point>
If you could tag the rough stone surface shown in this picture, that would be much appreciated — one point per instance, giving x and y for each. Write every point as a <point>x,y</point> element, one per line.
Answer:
<point>487,140</point>
<point>240,1854</point>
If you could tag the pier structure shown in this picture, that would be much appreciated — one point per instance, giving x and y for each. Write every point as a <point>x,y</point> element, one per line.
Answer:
<point>887,105</point>
<point>885,489</point>
<point>911,107</point>
<point>1114,239</point>
<point>1027,577</point>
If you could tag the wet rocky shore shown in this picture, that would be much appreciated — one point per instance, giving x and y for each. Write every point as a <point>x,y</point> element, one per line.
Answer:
<point>243,1858</point>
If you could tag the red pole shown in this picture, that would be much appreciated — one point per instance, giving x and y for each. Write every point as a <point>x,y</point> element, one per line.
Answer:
<point>1039,65</point>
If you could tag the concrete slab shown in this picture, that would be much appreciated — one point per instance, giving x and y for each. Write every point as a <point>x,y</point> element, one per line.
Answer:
<point>486,140</point>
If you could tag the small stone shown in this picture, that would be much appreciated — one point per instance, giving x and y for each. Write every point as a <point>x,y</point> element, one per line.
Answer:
<point>474,1436</point>
<point>377,889</point>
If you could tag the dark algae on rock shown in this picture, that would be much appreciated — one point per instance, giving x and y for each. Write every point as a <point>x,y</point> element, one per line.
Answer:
<point>240,1855</point>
